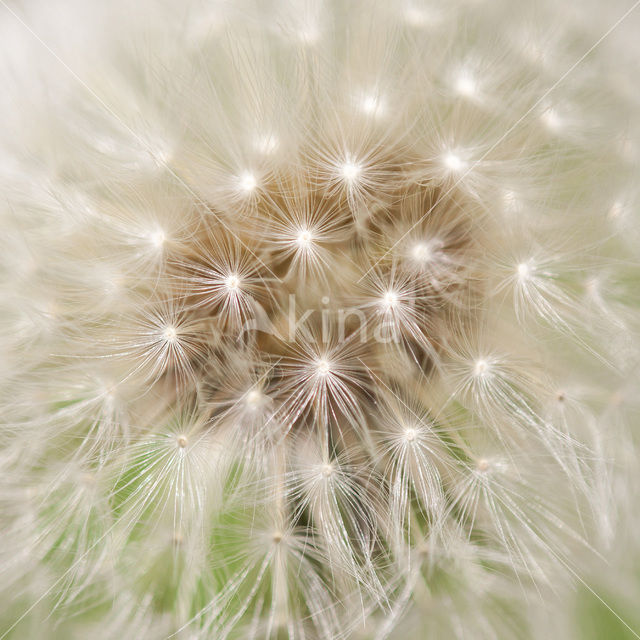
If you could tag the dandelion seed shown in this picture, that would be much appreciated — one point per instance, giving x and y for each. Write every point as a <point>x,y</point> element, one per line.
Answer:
<point>248,182</point>
<point>254,397</point>
<point>551,119</point>
<point>308,35</point>
<point>421,252</point>
<point>304,239</point>
<point>323,367</point>
<point>420,17</point>
<point>410,434</point>
<point>170,334</point>
<point>232,282</point>
<point>372,105</point>
<point>466,85</point>
<point>616,210</point>
<point>481,368</point>
<point>327,470</point>
<point>158,238</point>
<point>350,171</point>
<point>266,144</point>
<point>511,201</point>
<point>524,271</point>
<point>453,162</point>
<point>390,300</point>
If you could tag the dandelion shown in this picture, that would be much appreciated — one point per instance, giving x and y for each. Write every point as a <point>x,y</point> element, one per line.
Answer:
<point>319,321</point>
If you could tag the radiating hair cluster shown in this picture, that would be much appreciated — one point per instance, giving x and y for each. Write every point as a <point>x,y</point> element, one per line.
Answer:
<point>319,319</point>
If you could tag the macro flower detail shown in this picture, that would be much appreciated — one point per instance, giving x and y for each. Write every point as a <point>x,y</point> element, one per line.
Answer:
<point>319,319</point>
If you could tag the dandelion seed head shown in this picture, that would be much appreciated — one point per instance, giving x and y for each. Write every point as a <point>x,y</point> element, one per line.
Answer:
<point>248,182</point>
<point>453,162</point>
<point>158,238</point>
<point>232,282</point>
<point>419,16</point>
<point>266,144</point>
<point>308,34</point>
<point>304,238</point>
<point>592,286</point>
<point>350,171</point>
<point>327,470</point>
<point>524,271</point>
<point>421,252</point>
<point>533,50</point>
<point>323,367</point>
<point>170,334</point>
<point>372,105</point>
<point>162,154</point>
<point>511,201</point>
<point>318,359</point>
<point>410,434</point>
<point>481,368</point>
<point>552,119</point>
<point>389,300</point>
<point>616,210</point>
<point>466,85</point>
<point>254,397</point>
